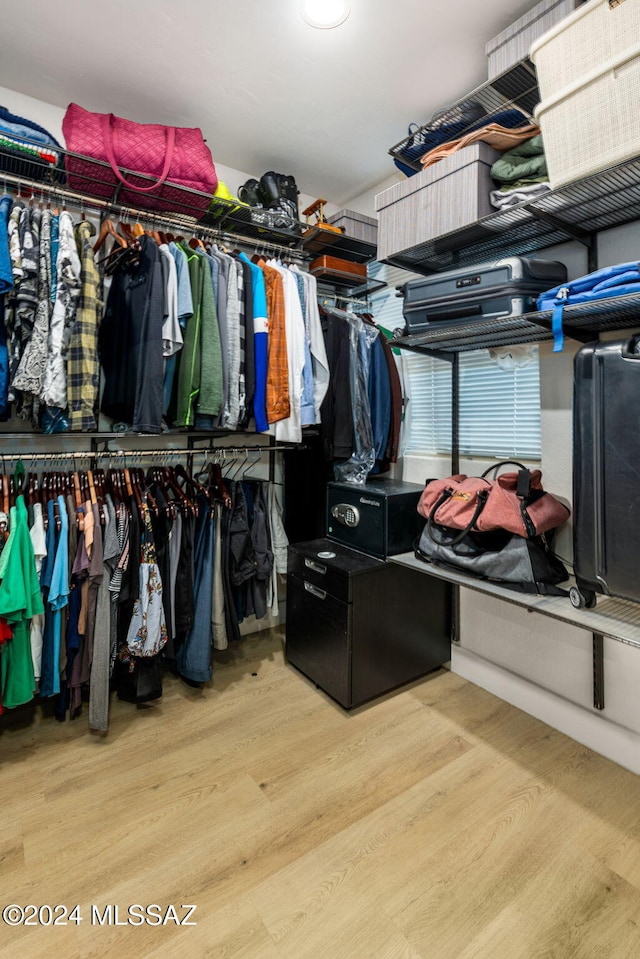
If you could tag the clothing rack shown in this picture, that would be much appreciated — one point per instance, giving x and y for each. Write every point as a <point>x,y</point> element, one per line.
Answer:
<point>219,453</point>
<point>330,301</point>
<point>224,451</point>
<point>106,208</point>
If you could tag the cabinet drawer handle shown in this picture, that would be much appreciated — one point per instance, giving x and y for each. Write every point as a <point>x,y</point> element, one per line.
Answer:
<point>316,567</point>
<point>320,593</point>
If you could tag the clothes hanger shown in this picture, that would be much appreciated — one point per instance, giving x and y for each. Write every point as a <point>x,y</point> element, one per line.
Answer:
<point>217,483</point>
<point>187,505</point>
<point>192,483</point>
<point>125,229</point>
<point>247,472</point>
<point>154,483</point>
<point>77,498</point>
<point>107,228</point>
<point>139,480</point>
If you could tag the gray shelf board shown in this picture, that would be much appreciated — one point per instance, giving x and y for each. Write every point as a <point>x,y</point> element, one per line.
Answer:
<point>614,618</point>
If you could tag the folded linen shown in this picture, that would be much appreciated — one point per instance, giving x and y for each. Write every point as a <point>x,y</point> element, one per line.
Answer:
<point>524,161</point>
<point>503,199</point>
<point>496,135</point>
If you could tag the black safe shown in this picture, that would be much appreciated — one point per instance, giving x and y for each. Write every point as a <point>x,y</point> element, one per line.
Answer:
<point>379,517</point>
<point>358,626</point>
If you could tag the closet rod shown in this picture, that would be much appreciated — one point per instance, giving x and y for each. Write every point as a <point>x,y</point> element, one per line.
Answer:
<point>237,450</point>
<point>37,189</point>
<point>182,220</point>
<point>343,299</point>
<point>136,454</point>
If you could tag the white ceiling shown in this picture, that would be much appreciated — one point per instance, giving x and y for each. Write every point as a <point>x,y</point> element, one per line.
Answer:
<point>268,91</point>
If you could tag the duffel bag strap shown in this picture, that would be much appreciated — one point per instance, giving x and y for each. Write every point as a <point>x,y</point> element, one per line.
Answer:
<point>482,499</point>
<point>170,138</point>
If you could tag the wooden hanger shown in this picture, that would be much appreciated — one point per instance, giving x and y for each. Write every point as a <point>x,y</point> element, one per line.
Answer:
<point>217,483</point>
<point>188,506</point>
<point>107,228</point>
<point>125,229</point>
<point>77,498</point>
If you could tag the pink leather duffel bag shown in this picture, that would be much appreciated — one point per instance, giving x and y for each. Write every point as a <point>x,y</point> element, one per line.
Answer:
<point>169,157</point>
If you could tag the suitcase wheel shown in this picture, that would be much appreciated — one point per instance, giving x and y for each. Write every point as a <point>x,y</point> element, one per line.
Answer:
<point>582,598</point>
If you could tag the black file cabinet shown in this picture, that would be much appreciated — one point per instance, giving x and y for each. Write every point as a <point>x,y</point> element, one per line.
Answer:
<point>358,626</point>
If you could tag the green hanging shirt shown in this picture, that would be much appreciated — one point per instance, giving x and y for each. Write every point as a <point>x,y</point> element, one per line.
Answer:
<point>20,600</point>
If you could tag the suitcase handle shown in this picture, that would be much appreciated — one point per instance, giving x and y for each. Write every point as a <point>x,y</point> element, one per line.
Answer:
<point>456,312</point>
<point>319,593</point>
<point>631,349</point>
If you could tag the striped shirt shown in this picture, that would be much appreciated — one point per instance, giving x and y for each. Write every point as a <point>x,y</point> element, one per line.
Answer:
<point>82,362</point>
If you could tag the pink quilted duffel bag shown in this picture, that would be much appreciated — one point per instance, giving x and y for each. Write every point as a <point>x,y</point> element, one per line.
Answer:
<point>169,157</point>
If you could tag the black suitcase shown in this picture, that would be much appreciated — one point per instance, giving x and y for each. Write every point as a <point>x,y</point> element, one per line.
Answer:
<point>506,287</point>
<point>606,465</point>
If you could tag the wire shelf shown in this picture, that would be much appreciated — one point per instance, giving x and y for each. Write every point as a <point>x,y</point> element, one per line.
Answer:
<point>576,211</point>
<point>93,184</point>
<point>318,241</point>
<point>266,225</point>
<point>583,321</point>
<point>516,87</point>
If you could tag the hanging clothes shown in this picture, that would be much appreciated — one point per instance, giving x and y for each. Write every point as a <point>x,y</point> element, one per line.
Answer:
<point>68,271</point>
<point>20,600</point>
<point>131,342</point>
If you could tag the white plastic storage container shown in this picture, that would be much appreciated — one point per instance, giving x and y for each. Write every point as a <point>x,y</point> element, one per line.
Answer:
<point>445,197</point>
<point>357,225</point>
<point>512,45</point>
<point>589,77</point>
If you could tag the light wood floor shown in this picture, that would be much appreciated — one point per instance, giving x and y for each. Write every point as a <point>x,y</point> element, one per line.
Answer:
<point>437,823</point>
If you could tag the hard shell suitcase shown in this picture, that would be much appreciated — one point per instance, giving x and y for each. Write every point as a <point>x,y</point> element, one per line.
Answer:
<point>606,454</point>
<point>506,287</point>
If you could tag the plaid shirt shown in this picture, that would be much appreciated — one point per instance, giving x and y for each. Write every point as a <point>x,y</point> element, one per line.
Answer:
<point>82,358</point>
<point>277,399</point>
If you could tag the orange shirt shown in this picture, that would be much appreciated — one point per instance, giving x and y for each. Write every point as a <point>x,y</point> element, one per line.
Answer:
<point>277,393</point>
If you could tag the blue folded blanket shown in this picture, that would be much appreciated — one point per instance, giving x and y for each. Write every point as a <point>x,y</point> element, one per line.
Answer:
<point>602,284</point>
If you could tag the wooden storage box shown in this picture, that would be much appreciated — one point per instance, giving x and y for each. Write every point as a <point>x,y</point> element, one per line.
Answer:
<point>512,45</point>
<point>445,197</point>
<point>589,77</point>
<point>334,266</point>
<point>357,225</point>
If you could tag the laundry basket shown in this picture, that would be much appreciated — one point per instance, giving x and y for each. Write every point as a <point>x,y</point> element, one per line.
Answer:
<point>588,70</point>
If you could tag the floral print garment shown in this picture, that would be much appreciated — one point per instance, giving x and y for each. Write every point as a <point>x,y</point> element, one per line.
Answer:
<point>147,631</point>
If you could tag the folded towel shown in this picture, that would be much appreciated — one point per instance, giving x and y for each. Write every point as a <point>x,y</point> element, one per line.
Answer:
<point>496,135</point>
<point>503,199</point>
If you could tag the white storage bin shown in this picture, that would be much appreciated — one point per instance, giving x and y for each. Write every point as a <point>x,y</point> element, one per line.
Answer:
<point>589,77</point>
<point>356,225</point>
<point>512,45</point>
<point>446,196</point>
